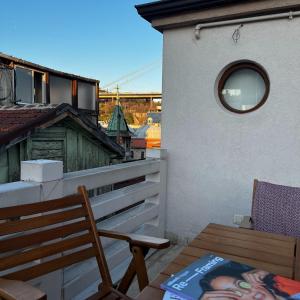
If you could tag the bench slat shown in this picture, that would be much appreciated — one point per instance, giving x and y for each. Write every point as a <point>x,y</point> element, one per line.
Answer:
<point>39,207</point>
<point>44,251</point>
<point>36,238</point>
<point>53,265</point>
<point>41,221</point>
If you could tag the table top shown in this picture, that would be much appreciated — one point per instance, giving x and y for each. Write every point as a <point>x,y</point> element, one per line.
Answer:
<point>275,253</point>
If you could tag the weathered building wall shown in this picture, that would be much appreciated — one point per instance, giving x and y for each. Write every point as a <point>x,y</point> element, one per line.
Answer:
<point>10,163</point>
<point>214,154</point>
<point>65,141</point>
<point>61,92</point>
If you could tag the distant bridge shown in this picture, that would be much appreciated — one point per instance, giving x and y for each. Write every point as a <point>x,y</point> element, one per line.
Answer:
<point>107,96</point>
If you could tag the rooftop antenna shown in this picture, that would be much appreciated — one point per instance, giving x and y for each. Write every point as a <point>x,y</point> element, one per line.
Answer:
<point>119,115</point>
<point>118,95</point>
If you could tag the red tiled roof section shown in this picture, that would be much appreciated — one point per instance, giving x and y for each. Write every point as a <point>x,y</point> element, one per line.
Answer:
<point>13,119</point>
<point>138,143</point>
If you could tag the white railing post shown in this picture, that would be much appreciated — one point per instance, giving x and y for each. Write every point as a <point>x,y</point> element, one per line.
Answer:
<point>158,226</point>
<point>49,175</point>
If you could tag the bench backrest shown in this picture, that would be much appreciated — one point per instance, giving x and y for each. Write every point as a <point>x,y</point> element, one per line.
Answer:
<point>35,235</point>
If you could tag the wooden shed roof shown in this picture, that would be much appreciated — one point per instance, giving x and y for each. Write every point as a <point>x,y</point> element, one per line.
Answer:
<point>18,122</point>
<point>9,58</point>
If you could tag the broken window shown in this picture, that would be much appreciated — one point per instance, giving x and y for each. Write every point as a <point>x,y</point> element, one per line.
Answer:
<point>24,85</point>
<point>29,85</point>
<point>6,85</point>
<point>38,87</point>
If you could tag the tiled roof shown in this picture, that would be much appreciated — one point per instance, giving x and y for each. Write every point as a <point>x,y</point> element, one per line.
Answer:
<point>16,117</point>
<point>138,143</point>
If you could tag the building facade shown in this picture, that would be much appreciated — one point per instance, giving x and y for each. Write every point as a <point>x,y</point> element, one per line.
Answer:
<point>151,132</point>
<point>24,82</point>
<point>231,104</point>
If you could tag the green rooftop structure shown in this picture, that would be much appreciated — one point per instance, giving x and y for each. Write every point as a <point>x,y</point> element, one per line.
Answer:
<point>118,129</point>
<point>117,124</point>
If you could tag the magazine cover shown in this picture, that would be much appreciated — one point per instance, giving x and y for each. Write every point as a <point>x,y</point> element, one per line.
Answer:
<point>215,278</point>
<point>169,296</point>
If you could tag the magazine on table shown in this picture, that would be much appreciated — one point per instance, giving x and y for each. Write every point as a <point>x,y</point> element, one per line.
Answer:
<point>215,278</point>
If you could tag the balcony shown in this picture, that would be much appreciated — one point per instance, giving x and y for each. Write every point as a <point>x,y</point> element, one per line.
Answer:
<point>137,208</point>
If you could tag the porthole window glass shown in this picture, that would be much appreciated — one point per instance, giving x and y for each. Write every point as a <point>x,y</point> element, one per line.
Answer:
<point>243,87</point>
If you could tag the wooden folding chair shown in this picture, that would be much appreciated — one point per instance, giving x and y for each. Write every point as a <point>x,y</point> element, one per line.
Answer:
<point>46,230</point>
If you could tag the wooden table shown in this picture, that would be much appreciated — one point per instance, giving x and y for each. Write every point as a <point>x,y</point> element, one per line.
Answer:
<point>271,252</point>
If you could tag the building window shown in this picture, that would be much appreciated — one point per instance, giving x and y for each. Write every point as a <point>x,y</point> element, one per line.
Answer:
<point>38,87</point>
<point>29,85</point>
<point>243,87</point>
<point>24,85</point>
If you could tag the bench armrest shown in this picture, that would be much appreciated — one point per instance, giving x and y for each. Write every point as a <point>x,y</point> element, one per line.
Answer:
<point>137,239</point>
<point>14,290</point>
<point>246,223</point>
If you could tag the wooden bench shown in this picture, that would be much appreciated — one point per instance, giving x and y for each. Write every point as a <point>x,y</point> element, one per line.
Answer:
<point>64,232</point>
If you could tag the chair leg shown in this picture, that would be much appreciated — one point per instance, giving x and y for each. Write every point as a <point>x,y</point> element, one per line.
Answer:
<point>137,267</point>
<point>140,266</point>
<point>127,278</point>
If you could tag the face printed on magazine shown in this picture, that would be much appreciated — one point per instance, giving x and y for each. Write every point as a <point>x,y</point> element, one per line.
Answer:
<point>233,282</point>
<point>242,289</point>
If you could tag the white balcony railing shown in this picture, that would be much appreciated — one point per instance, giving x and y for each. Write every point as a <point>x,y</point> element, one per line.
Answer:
<point>138,208</point>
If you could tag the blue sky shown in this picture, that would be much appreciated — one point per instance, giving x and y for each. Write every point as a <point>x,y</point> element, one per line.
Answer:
<point>102,39</point>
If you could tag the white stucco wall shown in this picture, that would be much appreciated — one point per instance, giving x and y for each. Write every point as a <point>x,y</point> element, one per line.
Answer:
<point>214,155</point>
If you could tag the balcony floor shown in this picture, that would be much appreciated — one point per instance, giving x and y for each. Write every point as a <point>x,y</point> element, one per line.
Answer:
<point>155,264</point>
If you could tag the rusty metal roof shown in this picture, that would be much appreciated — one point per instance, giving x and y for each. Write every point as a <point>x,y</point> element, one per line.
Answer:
<point>25,63</point>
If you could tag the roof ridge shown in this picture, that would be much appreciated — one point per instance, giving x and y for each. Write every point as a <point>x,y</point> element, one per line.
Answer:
<point>29,64</point>
<point>28,106</point>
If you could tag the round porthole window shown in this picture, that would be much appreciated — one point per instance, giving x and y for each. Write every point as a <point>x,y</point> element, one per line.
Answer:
<point>243,87</point>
